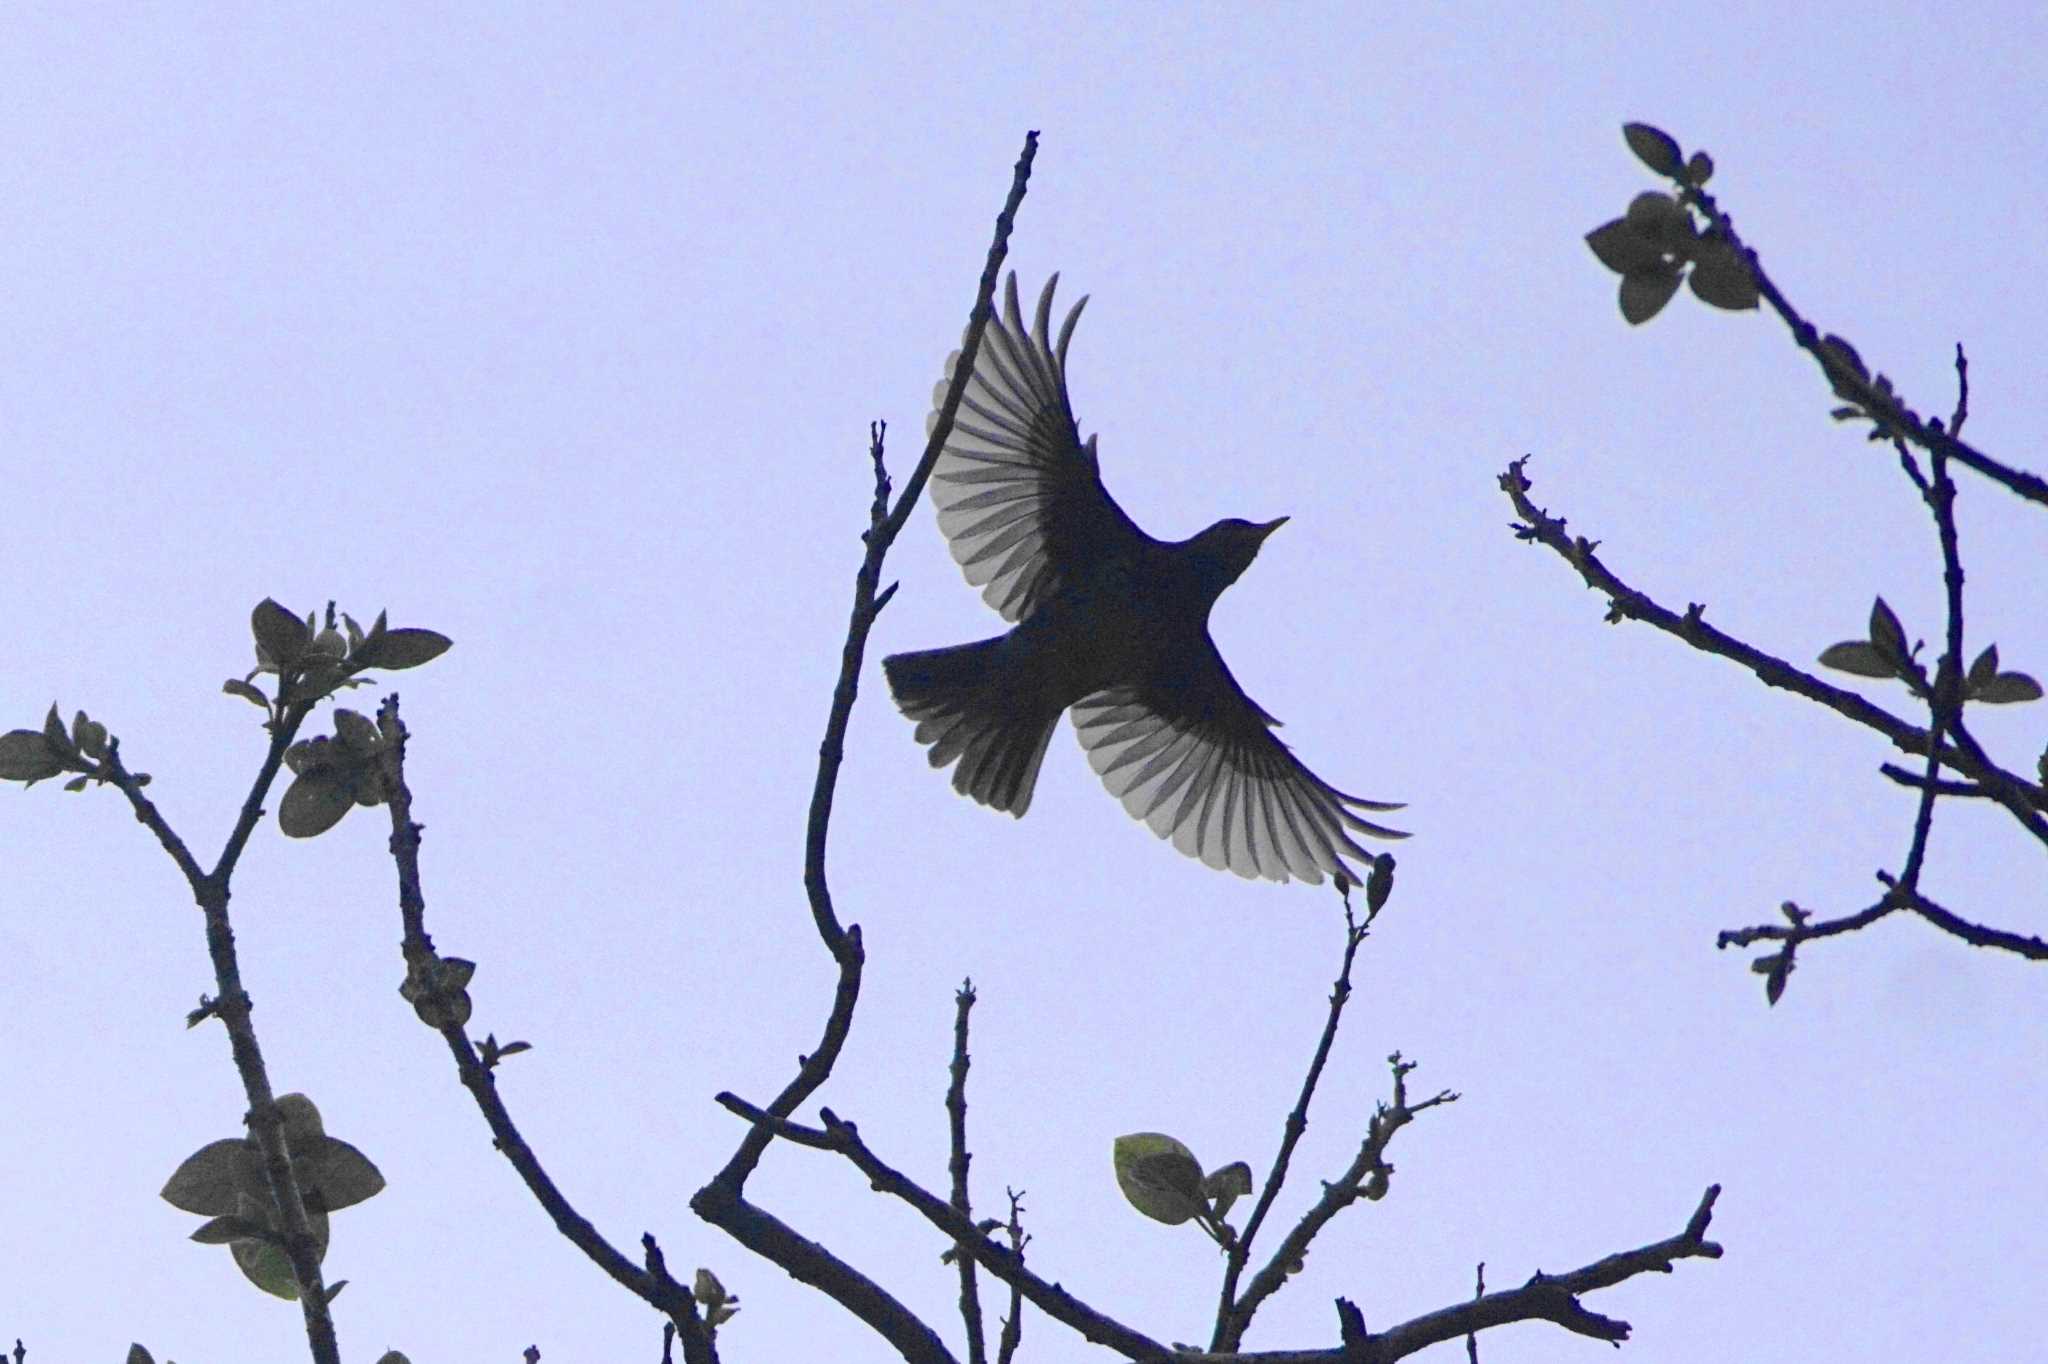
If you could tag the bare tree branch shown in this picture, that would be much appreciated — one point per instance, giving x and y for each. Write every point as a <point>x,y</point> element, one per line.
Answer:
<point>2022,799</point>
<point>808,1262</point>
<point>1366,1177</point>
<point>721,1201</point>
<point>1545,1297</point>
<point>883,527</point>
<point>844,1139</point>
<point>438,995</point>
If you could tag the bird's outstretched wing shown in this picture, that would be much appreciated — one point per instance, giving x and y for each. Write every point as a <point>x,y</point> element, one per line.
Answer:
<point>1020,498</point>
<point>1196,759</point>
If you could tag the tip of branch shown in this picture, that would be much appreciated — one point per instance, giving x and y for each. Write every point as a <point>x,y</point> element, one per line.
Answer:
<point>1697,1227</point>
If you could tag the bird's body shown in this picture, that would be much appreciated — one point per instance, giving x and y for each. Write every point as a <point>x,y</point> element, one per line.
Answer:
<point>1112,624</point>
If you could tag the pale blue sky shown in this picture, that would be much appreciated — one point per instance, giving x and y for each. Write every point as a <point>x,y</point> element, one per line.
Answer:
<point>558,329</point>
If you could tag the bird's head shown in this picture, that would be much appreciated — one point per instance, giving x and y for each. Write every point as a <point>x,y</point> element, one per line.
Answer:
<point>1225,550</point>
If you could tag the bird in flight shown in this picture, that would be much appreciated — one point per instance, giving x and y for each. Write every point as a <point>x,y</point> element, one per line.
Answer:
<point>1108,622</point>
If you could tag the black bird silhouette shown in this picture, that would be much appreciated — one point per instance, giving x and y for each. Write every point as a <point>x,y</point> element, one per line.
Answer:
<point>1109,622</point>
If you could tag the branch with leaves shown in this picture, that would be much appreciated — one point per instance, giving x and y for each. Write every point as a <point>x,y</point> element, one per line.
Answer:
<point>1657,244</point>
<point>267,1196</point>
<point>1665,238</point>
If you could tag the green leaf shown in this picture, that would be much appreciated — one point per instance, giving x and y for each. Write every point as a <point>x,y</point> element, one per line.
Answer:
<point>708,1291</point>
<point>1844,355</point>
<point>318,679</point>
<point>1776,969</point>
<point>76,783</point>
<point>1985,668</point>
<point>1225,1186</point>
<point>301,1118</point>
<point>1645,292</point>
<point>1657,216</point>
<point>329,643</point>
<point>1653,147</point>
<point>1721,277</point>
<point>1887,636</point>
<point>1159,1177</point>
<point>1622,249</point>
<point>220,1231</point>
<point>2006,689</point>
<point>309,755</point>
<point>212,1180</point>
<point>335,1173</point>
<point>395,649</point>
<point>269,1268</point>
<point>354,732</point>
<point>25,756</point>
<point>1858,657</point>
<point>89,736</point>
<point>1699,169</point>
<point>1379,882</point>
<point>314,803</point>
<point>138,1355</point>
<point>235,686</point>
<point>376,633</point>
<point>56,735</point>
<point>281,637</point>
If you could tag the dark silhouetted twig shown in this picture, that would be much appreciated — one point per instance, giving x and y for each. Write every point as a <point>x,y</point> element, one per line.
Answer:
<point>844,1139</point>
<point>956,1125</point>
<point>1232,1317</point>
<point>427,971</point>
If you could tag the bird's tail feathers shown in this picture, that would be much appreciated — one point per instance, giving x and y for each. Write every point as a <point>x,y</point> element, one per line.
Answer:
<point>968,705</point>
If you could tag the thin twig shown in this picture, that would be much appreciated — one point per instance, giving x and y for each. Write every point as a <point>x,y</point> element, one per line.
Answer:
<point>957,1166</point>
<point>1954,789</point>
<point>1800,926</point>
<point>1013,1322</point>
<point>1944,696</point>
<point>1478,1292</point>
<point>1366,1177</point>
<point>1231,1319</point>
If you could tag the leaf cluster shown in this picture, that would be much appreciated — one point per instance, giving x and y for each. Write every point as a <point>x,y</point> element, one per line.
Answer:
<point>31,755</point>
<point>1162,1179</point>
<point>226,1182</point>
<point>1658,244</point>
<point>312,661</point>
<point>1884,654</point>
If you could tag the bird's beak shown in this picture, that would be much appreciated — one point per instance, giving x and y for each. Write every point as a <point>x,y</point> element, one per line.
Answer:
<point>1270,527</point>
